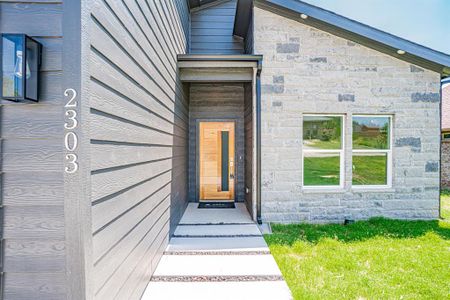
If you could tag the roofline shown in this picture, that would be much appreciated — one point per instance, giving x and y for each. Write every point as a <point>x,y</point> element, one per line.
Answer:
<point>220,57</point>
<point>360,33</point>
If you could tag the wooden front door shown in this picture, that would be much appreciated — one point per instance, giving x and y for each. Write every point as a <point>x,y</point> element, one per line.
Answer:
<point>217,167</point>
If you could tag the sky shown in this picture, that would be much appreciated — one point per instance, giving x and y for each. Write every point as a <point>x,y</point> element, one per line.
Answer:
<point>426,22</point>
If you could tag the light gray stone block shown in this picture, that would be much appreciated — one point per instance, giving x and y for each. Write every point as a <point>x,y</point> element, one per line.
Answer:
<point>288,48</point>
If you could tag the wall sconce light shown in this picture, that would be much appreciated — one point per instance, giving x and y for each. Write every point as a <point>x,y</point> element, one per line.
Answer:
<point>20,63</point>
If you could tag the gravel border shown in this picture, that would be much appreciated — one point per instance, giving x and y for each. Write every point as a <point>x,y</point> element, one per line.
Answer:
<point>220,252</point>
<point>217,278</point>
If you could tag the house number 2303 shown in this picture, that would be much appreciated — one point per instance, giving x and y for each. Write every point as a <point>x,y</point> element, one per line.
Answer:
<point>71,138</point>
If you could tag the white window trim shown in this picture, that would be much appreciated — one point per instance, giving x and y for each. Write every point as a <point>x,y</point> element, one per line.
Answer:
<point>388,184</point>
<point>341,156</point>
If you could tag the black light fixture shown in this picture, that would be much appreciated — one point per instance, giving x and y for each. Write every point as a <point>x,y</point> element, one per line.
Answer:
<point>20,63</point>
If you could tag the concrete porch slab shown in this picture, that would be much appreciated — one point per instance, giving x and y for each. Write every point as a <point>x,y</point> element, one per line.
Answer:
<point>218,244</point>
<point>217,230</point>
<point>217,265</point>
<point>217,254</point>
<point>194,215</point>
<point>261,290</point>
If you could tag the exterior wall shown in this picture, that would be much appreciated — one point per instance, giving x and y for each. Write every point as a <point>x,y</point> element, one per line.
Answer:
<point>248,157</point>
<point>32,190</point>
<point>445,165</point>
<point>216,101</point>
<point>138,133</point>
<point>306,70</point>
<point>212,30</point>
<point>446,106</point>
<point>445,156</point>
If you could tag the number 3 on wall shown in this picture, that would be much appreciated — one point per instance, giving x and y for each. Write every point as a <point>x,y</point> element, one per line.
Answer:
<point>71,138</point>
<point>72,163</point>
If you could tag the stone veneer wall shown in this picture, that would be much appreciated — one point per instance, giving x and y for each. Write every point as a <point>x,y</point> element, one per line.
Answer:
<point>306,70</point>
<point>445,162</point>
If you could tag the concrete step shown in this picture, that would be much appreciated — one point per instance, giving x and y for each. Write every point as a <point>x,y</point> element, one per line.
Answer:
<point>217,265</point>
<point>217,230</point>
<point>262,290</point>
<point>238,244</point>
<point>194,215</point>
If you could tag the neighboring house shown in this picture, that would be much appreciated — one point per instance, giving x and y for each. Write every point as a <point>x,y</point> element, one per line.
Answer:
<point>304,115</point>
<point>445,127</point>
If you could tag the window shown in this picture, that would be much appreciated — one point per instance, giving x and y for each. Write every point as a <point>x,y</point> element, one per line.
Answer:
<point>372,151</point>
<point>323,151</point>
<point>446,136</point>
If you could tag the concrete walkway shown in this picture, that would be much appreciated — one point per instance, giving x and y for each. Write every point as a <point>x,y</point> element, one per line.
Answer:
<point>217,254</point>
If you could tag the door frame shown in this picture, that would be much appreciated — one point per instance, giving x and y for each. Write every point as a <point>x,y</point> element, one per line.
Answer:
<point>197,155</point>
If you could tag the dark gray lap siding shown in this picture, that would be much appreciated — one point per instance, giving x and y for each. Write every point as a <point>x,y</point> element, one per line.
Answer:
<point>31,190</point>
<point>139,129</point>
<point>212,30</point>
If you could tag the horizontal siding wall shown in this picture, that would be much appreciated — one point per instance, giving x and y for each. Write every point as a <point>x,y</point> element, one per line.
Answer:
<point>212,30</point>
<point>248,156</point>
<point>216,101</point>
<point>31,180</point>
<point>139,127</point>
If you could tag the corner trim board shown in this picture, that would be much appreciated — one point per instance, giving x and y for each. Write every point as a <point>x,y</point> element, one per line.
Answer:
<point>77,202</point>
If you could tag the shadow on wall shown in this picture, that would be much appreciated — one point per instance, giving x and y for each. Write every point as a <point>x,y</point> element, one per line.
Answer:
<point>179,173</point>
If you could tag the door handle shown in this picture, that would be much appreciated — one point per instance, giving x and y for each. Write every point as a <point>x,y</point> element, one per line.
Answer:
<point>231,169</point>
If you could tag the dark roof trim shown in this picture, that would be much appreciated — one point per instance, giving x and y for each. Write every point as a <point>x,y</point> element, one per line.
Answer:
<point>219,57</point>
<point>243,18</point>
<point>362,34</point>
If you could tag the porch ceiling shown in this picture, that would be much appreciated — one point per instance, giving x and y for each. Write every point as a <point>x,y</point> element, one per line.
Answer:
<point>218,68</point>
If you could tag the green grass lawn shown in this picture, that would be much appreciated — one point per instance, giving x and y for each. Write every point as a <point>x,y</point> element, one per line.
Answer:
<point>375,259</point>
<point>445,205</point>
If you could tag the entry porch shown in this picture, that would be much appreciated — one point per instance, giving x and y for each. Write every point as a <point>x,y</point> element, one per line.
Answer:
<point>224,131</point>
<point>220,254</point>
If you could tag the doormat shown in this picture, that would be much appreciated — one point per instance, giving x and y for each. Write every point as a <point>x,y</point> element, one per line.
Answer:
<point>216,205</point>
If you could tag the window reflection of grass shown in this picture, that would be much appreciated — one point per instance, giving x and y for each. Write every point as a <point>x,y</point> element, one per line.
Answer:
<point>321,171</point>
<point>369,170</point>
<point>318,144</point>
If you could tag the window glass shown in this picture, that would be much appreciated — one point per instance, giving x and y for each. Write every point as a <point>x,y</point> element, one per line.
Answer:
<point>322,151</point>
<point>322,132</point>
<point>371,132</point>
<point>370,168</point>
<point>371,151</point>
<point>12,66</point>
<point>31,70</point>
<point>321,169</point>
